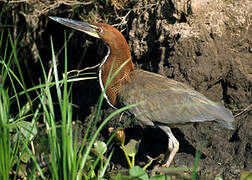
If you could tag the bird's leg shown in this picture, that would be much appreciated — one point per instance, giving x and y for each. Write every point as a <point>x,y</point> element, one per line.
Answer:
<point>173,145</point>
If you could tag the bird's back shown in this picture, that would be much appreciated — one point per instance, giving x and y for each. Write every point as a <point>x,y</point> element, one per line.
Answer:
<point>169,102</point>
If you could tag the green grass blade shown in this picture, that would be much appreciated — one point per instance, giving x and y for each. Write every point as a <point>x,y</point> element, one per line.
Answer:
<point>84,159</point>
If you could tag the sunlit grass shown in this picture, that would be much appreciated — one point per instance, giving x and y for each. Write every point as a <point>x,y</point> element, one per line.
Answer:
<point>18,129</point>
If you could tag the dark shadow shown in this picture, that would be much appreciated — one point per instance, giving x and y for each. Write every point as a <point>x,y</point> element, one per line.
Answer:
<point>226,97</point>
<point>153,142</point>
<point>82,52</point>
<point>235,137</point>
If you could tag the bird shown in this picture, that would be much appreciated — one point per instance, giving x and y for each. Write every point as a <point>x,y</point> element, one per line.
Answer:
<point>164,101</point>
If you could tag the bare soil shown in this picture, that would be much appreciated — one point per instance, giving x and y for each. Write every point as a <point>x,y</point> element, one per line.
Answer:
<point>209,47</point>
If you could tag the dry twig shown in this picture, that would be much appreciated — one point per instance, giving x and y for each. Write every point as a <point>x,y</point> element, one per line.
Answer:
<point>244,110</point>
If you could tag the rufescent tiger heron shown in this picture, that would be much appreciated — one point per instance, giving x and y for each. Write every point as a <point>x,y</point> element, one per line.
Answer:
<point>165,101</point>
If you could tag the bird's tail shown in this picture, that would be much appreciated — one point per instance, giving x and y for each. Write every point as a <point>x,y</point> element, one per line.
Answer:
<point>224,116</point>
<point>226,124</point>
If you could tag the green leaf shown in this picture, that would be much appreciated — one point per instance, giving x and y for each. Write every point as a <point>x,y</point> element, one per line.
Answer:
<point>118,176</point>
<point>25,109</point>
<point>100,147</point>
<point>122,177</point>
<point>25,157</point>
<point>138,172</point>
<point>132,147</point>
<point>160,177</point>
<point>28,130</point>
<point>246,175</point>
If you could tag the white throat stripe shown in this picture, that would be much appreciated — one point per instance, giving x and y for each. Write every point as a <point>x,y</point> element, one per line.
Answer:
<point>100,76</point>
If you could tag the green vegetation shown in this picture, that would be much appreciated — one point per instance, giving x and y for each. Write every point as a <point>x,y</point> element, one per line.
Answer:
<point>68,160</point>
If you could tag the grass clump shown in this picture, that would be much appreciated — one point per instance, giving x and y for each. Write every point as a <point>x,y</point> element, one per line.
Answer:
<point>67,159</point>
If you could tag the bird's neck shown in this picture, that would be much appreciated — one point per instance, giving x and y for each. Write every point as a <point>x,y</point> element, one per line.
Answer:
<point>116,56</point>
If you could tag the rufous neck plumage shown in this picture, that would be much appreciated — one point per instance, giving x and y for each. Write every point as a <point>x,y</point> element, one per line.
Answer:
<point>118,53</point>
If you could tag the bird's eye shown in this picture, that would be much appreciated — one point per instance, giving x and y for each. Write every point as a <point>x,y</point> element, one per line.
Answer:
<point>99,30</point>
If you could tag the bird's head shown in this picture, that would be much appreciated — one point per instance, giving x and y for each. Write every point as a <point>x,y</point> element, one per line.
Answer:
<point>118,53</point>
<point>110,35</point>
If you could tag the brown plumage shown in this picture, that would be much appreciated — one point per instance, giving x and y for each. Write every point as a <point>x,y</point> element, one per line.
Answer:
<point>165,101</point>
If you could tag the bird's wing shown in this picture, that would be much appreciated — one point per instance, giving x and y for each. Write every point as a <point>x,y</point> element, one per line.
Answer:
<point>169,102</point>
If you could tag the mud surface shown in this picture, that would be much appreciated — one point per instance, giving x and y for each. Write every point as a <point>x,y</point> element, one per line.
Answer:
<point>206,44</point>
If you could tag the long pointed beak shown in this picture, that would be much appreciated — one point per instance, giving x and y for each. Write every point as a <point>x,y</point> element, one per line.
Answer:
<point>78,25</point>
